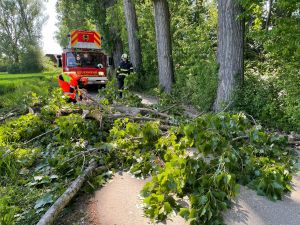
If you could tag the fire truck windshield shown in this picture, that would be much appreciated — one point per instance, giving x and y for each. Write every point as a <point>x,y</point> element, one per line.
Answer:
<point>85,59</point>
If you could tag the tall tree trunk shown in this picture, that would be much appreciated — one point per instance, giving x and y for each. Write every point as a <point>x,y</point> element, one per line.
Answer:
<point>269,14</point>
<point>117,51</point>
<point>132,29</point>
<point>230,52</point>
<point>164,45</point>
<point>117,43</point>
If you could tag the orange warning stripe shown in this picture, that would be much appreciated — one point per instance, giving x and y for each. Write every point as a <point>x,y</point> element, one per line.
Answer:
<point>97,35</point>
<point>74,38</point>
<point>98,45</point>
<point>97,39</point>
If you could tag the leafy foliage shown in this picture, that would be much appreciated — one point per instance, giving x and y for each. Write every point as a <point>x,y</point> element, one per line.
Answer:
<point>238,153</point>
<point>228,151</point>
<point>110,93</point>
<point>34,175</point>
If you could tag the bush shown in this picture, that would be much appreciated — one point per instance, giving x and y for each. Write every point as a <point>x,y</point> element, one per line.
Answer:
<point>14,68</point>
<point>48,65</point>
<point>31,60</point>
<point>271,95</point>
<point>3,68</point>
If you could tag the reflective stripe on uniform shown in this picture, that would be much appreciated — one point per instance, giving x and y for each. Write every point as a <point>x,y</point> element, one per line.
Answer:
<point>66,77</point>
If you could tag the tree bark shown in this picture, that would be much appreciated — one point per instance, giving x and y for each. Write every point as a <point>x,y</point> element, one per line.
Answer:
<point>269,14</point>
<point>230,54</point>
<point>132,30</point>
<point>164,45</point>
<point>117,50</point>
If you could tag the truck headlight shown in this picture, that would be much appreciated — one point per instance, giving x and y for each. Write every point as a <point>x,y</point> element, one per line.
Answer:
<point>101,73</point>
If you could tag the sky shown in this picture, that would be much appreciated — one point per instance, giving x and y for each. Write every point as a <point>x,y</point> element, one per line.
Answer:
<point>50,45</point>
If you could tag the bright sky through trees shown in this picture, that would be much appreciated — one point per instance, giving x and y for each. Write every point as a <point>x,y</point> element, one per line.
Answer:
<point>50,45</point>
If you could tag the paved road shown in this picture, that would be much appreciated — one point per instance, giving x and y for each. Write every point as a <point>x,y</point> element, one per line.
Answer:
<point>118,203</point>
<point>251,209</point>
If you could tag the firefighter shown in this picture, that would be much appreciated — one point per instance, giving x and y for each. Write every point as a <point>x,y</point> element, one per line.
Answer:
<point>124,69</point>
<point>69,83</point>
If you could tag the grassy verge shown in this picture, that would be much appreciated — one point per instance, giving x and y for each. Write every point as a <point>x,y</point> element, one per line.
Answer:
<point>14,88</point>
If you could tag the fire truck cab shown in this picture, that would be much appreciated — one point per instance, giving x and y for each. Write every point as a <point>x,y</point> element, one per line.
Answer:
<point>85,57</point>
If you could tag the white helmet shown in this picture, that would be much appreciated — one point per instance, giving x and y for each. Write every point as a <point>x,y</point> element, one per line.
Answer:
<point>124,56</point>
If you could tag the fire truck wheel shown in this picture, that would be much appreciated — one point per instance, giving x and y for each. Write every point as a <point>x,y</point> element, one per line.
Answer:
<point>100,86</point>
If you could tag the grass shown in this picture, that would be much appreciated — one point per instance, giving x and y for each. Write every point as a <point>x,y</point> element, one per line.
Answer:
<point>15,87</point>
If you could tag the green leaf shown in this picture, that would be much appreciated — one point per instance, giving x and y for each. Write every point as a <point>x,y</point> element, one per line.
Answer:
<point>46,199</point>
<point>203,211</point>
<point>203,200</point>
<point>168,207</point>
<point>185,213</point>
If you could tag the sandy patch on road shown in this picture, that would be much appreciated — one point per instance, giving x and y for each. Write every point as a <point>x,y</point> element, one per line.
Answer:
<point>118,203</point>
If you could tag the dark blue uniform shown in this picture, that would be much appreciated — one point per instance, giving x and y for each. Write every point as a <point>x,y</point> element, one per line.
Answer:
<point>123,71</point>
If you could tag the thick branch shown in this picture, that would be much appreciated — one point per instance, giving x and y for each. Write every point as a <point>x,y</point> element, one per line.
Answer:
<point>66,197</point>
<point>143,111</point>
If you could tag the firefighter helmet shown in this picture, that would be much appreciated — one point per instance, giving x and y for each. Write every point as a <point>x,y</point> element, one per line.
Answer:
<point>124,56</point>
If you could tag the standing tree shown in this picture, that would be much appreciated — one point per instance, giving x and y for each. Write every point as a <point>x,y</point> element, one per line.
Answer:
<point>230,54</point>
<point>164,45</point>
<point>132,30</point>
<point>20,32</point>
<point>10,31</point>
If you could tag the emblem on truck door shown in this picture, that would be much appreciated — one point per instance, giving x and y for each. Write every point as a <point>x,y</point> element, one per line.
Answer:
<point>85,37</point>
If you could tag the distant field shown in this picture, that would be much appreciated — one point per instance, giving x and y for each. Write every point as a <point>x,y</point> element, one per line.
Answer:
<point>6,76</point>
<point>14,87</point>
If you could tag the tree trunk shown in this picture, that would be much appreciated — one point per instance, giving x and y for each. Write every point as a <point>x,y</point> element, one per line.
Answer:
<point>164,45</point>
<point>132,29</point>
<point>269,14</point>
<point>117,50</point>
<point>230,52</point>
<point>66,197</point>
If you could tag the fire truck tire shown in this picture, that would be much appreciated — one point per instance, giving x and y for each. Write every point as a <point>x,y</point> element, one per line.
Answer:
<point>100,86</point>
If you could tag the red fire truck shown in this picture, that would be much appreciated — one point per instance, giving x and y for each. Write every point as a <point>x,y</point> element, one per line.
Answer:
<point>85,57</point>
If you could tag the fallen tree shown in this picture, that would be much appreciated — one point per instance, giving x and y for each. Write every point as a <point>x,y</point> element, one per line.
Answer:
<point>52,213</point>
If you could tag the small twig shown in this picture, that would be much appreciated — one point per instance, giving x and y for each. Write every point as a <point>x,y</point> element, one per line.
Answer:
<point>200,114</point>
<point>171,107</point>
<point>117,116</point>
<point>11,151</point>
<point>91,185</point>
<point>95,101</point>
<point>254,121</point>
<point>12,111</point>
<point>82,153</point>
<point>8,115</point>
<point>82,167</point>
<point>134,139</point>
<point>228,105</point>
<point>240,138</point>
<point>41,135</point>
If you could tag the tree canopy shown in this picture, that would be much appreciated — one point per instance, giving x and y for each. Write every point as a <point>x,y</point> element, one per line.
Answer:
<point>20,33</point>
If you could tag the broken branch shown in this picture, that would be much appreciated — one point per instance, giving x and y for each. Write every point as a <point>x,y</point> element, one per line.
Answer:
<point>52,213</point>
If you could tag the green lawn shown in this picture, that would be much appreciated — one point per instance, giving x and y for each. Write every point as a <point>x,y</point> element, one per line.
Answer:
<point>15,87</point>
